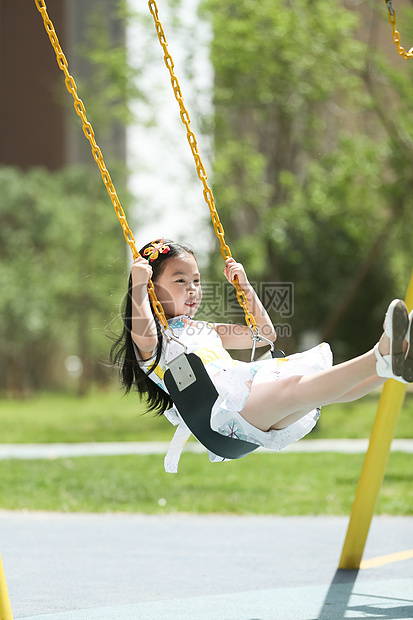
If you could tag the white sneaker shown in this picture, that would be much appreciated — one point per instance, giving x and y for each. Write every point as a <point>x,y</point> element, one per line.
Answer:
<point>408,360</point>
<point>396,323</point>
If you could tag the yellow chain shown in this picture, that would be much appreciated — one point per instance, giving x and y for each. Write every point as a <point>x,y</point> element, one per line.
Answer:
<point>207,192</point>
<point>96,152</point>
<point>396,34</point>
<point>97,155</point>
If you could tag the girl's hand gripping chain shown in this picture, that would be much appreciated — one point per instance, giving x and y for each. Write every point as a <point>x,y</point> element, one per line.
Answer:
<point>233,270</point>
<point>144,331</point>
<point>238,336</point>
<point>141,272</point>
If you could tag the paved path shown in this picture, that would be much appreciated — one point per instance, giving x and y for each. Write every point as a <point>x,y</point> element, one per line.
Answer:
<point>57,450</point>
<point>192,567</point>
<point>197,567</point>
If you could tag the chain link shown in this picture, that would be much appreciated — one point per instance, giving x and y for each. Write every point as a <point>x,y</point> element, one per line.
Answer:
<point>96,152</point>
<point>395,33</point>
<point>98,157</point>
<point>207,192</point>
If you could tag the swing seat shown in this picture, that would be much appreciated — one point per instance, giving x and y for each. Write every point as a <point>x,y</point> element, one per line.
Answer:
<point>194,403</point>
<point>275,354</point>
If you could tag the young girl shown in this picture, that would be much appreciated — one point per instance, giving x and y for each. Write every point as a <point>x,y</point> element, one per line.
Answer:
<point>272,402</point>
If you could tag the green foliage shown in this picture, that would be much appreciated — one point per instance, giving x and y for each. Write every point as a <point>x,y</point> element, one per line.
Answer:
<point>60,245</point>
<point>24,234</point>
<point>313,154</point>
<point>269,52</point>
<point>106,63</point>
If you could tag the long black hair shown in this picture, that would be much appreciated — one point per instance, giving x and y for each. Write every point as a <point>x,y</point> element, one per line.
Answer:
<point>122,352</point>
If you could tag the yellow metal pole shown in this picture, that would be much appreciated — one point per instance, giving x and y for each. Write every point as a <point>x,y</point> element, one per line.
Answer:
<point>374,466</point>
<point>5,607</point>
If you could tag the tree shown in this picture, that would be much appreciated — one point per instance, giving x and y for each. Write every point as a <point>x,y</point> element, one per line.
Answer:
<point>60,246</point>
<point>305,175</point>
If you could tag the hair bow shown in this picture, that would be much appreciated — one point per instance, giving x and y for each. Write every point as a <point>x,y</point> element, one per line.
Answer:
<point>157,247</point>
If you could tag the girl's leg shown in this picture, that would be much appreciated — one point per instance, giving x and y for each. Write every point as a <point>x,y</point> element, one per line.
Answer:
<point>364,388</point>
<point>361,390</point>
<point>287,400</point>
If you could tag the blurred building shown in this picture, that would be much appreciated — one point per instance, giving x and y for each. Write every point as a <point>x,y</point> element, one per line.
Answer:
<point>36,112</point>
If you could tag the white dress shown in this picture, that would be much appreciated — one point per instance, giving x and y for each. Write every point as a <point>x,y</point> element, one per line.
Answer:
<point>233,380</point>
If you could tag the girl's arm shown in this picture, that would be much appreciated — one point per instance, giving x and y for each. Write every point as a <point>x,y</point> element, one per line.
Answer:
<point>144,332</point>
<point>239,336</point>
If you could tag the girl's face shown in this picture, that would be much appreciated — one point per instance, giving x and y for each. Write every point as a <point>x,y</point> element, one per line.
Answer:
<point>178,288</point>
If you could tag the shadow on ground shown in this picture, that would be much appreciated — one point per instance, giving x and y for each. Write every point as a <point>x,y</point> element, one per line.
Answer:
<point>337,601</point>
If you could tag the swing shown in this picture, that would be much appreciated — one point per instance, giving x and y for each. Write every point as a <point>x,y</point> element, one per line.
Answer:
<point>396,33</point>
<point>186,378</point>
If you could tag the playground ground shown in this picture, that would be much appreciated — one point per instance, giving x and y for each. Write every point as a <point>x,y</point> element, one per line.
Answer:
<point>169,567</point>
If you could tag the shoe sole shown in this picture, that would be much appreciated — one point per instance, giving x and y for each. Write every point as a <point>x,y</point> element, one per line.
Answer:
<point>408,363</point>
<point>400,324</point>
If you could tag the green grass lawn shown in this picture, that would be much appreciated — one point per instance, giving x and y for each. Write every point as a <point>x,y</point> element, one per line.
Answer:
<point>101,416</point>
<point>282,484</point>
<point>109,416</point>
